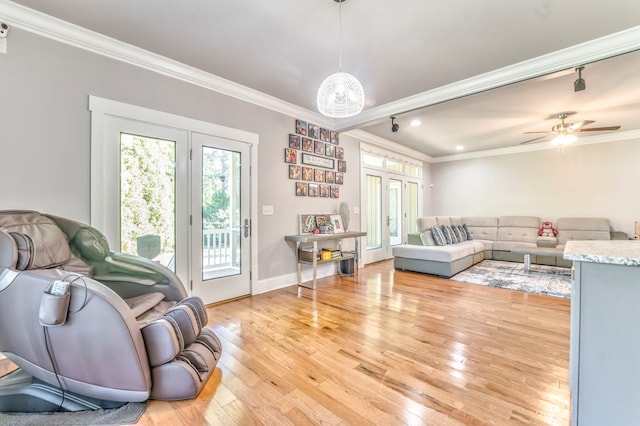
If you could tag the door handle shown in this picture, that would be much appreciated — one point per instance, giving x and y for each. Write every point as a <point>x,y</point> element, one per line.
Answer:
<point>247,228</point>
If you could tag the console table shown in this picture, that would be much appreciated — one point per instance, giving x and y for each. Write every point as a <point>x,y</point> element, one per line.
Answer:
<point>306,240</point>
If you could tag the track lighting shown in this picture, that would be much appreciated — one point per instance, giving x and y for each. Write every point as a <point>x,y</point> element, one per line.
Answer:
<point>579,84</point>
<point>394,126</point>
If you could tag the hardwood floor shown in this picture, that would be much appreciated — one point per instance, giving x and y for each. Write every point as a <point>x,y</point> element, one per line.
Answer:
<point>384,348</point>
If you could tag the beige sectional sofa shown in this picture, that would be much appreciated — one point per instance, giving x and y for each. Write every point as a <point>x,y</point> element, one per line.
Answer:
<point>492,238</point>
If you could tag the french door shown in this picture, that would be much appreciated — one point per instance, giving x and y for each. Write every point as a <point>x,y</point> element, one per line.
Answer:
<point>391,210</point>
<point>175,194</point>
<point>221,228</point>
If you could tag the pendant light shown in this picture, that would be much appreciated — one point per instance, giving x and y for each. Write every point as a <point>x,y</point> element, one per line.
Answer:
<point>340,95</point>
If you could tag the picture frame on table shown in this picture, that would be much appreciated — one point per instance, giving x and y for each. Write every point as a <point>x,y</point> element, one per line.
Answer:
<point>307,223</point>
<point>336,221</point>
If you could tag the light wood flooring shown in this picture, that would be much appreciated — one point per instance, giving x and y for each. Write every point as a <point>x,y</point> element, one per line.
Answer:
<point>385,348</point>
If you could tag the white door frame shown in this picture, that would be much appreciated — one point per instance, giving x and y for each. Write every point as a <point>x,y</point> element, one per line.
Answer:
<point>102,203</point>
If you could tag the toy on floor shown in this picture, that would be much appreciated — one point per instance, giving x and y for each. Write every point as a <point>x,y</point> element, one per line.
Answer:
<point>547,230</point>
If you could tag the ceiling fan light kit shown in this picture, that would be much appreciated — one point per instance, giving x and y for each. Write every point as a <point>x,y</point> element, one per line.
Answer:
<point>340,95</point>
<point>565,131</point>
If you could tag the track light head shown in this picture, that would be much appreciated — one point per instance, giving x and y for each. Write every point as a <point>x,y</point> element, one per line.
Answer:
<point>579,84</point>
<point>394,126</point>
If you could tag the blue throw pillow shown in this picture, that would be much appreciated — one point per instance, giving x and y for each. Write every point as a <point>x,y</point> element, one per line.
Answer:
<point>459,232</point>
<point>438,237</point>
<point>466,231</point>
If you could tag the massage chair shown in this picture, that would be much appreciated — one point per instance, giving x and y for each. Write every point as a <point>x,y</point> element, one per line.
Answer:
<point>92,328</point>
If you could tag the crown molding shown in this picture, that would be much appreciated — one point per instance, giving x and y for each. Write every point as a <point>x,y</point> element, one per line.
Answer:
<point>56,29</point>
<point>571,57</point>
<point>387,145</point>
<point>582,141</point>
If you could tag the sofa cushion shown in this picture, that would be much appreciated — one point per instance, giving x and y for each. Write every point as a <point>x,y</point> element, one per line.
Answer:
<point>447,253</point>
<point>482,228</point>
<point>519,222</point>
<point>443,220</point>
<point>509,245</point>
<point>425,223</point>
<point>518,228</point>
<point>438,237</point>
<point>582,228</point>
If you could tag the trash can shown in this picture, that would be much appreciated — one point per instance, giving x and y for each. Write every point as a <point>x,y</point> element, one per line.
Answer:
<point>346,266</point>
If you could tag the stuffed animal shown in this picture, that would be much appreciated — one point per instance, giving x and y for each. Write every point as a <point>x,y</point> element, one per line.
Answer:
<point>547,230</point>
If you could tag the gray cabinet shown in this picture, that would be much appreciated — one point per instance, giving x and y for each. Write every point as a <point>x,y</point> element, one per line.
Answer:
<point>605,339</point>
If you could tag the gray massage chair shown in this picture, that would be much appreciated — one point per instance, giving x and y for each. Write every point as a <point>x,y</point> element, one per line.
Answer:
<point>91,328</point>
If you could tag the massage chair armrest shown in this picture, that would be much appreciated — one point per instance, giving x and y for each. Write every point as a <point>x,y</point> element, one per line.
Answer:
<point>145,272</point>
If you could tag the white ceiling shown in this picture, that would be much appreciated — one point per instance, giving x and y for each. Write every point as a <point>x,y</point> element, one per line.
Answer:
<point>285,48</point>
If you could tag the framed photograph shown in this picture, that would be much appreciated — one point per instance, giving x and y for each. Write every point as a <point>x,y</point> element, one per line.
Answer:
<point>313,190</point>
<point>339,153</point>
<point>294,141</point>
<point>301,189</point>
<point>342,166</point>
<point>336,221</point>
<point>335,191</point>
<point>307,173</point>
<point>324,135</point>
<point>329,176</point>
<point>307,144</point>
<point>294,172</point>
<point>301,127</point>
<point>339,178</point>
<point>334,137</point>
<point>319,175</point>
<point>318,148</point>
<point>314,160</point>
<point>307,223</point>
<point>321,220</point>
<point>325,191</point>
<point>313,131</point>
<point>290,155</point>
<point>329,150</point>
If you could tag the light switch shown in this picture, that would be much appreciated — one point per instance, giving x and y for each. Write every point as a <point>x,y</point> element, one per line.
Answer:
<point>267,210</point>
<point>356,210</point>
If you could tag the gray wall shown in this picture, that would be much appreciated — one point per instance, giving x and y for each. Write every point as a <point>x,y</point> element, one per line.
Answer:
<point>45,136</point>
<point>591,180</point>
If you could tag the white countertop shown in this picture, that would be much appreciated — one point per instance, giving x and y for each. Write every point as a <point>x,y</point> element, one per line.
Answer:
<point>615,252</point>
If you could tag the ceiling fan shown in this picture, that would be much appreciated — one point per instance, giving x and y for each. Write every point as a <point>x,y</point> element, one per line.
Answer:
<point>564,131</point>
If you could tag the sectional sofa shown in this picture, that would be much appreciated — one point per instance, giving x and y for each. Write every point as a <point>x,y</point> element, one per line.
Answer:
<point>490,238</point>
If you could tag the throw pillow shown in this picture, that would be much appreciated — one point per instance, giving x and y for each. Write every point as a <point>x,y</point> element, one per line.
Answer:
<point>460,234</point>
<point>438,237</point>
<point>448,234</point>
<point>427,238</point>
<point>466,231</point>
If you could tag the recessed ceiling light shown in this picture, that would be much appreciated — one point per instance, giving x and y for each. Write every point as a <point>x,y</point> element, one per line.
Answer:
<point>459,148</point>
<point>415,122</point>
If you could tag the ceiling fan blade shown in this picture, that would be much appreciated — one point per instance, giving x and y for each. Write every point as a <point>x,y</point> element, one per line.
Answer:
<point>580,124</point>
<point>597,129</point>
<point>526,133</point>
<point>534,139</point>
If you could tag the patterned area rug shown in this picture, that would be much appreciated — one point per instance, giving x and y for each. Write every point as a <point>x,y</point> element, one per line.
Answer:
<point>547,280</point>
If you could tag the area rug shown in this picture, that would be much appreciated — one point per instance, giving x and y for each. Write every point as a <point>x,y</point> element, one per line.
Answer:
<point>542,279</point>
<point>127,414</point>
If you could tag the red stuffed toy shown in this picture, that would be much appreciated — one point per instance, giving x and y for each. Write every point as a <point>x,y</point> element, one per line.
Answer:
<point>547,230</point>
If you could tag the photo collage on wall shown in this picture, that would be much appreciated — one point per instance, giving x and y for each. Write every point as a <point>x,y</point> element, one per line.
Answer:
<point>316,161</point>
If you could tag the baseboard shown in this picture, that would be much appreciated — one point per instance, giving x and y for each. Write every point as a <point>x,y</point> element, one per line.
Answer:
<point>275,283</point>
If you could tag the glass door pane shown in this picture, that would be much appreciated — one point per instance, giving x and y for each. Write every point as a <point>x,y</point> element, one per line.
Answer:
<point>148,198</point>
<point>412,207</point>
<point>374,212</point>
<point>221,243</point>
<point>394,220</point>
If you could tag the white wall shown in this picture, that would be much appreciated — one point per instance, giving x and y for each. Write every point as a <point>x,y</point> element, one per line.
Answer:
<point>45,137</point>
<point>591,180</point>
